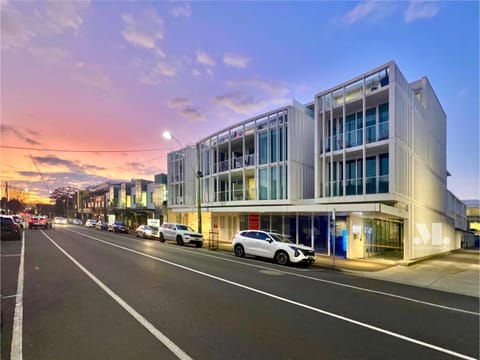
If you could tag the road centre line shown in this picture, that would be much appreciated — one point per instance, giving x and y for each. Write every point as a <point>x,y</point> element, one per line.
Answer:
<point>11,255</point>
<point>296,303</point>
<point>16,352</point>
<point>144,322</point>
<point>400,297</point>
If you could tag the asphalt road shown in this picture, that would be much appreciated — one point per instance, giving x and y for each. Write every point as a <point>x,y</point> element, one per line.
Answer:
<point>91,294</point>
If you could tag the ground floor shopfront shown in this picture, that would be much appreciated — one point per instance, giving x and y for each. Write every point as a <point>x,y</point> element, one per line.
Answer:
<point>373,231</point>
<point>346,235</point>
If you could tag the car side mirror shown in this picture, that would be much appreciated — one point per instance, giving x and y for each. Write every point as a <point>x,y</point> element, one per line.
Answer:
<point>270,240</point>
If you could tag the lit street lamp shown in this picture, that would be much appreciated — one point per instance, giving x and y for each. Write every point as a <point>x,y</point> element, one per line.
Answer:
<point>168,136</point>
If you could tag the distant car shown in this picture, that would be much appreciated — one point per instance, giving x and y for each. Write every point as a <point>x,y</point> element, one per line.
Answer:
<point>101,225</point>
<point>90,223</point>
<point>77,222</point>
<point>271,245</point>
<point>119,227</point>
<point>60,220</point>
<point>147,231</point>
<point>181,234</point>
<point>10,230</point>
<point>41,221</point>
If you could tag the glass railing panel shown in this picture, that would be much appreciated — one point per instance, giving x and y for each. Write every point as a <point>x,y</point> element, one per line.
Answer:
<point>237,162</point>
<point>359,184</point>
<point>371,185</point>
<point>383,184</point>
<point>338,142</point>
<point>250,160</point>
<point>250,195</point>
<point>371,134</point>
<point>237,195</point>
<point>223,166</point>
<point>383,131</point>
<point>327,145</point>
<point>337,188</point>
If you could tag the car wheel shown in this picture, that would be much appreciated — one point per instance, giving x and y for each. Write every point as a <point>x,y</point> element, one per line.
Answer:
<point>162,239</point>
<point>179,240</point>
<point>136,234</point>
<point>281,258</point>
<point>238,250</point>
<point>199,244</point>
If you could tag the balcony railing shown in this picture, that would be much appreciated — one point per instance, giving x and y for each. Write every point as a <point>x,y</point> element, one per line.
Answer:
<point>376,184</point>
<point>354,187</point>
<point>353,138</point>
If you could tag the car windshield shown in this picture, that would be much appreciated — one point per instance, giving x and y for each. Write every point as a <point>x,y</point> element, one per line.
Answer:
<point>281,238</point>
<point>185,228</point>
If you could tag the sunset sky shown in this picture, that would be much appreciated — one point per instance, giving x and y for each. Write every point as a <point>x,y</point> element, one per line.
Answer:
<point>87,88</point>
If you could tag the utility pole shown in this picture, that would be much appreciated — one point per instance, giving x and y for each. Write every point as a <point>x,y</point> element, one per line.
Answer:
<point>198,177</point>
<point>334,239</point>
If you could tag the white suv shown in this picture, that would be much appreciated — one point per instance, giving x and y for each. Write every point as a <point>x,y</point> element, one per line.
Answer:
<point>271,245</point>
<point>182,234</point>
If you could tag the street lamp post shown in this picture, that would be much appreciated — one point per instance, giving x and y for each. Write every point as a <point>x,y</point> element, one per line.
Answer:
<point>198,175</point>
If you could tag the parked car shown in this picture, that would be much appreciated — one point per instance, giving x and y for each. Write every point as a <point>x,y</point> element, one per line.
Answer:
<point>119,227</point>
<point>181,234</point>
<point>19,220</point>
<point>101,225</point>
<point>77,222</point>
<point>272,246</point>
<point>147,231</point>
<point>60,220</point>
<point>90,223</point>
<point>41,221</point>
<point>10,230</point>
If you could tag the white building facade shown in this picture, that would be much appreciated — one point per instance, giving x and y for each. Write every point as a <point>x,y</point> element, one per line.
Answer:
<point>361,169</point>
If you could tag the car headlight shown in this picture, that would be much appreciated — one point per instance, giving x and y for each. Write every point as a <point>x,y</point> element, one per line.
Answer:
<point>297,252</point>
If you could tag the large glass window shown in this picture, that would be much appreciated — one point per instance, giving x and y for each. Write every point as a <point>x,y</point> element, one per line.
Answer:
<point>273,183</point>
<point>383,238</point>
<point>262,147</point>
<point>280,181</point>
<point>383,180</point>
<point>263,184</point>
<point>383,122</point>
<point>359,181</point>
<point>273,145</point>
<point>281,142</point>
<point>371,175</point>
<point>351,167</point>
<point>359,128</point>
<point>370,124</point>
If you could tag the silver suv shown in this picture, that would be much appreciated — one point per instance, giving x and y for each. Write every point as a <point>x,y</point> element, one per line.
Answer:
<point>181,234</point>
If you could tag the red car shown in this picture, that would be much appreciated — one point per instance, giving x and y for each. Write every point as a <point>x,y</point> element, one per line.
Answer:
<point>36,222</point>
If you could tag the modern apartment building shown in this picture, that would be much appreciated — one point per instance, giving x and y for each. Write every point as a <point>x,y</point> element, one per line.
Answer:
<point>361,169</point>
<point>132,202</point>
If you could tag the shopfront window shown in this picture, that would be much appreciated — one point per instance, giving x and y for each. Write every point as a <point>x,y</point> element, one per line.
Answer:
<point>383,238</point>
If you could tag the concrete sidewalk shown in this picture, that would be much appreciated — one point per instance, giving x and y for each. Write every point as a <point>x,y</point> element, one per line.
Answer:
<point>456,272</point>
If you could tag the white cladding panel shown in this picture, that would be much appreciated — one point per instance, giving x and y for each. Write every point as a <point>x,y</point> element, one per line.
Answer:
<point>300,154</point>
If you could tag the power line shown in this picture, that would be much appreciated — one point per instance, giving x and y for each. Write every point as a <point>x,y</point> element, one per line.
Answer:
<point>83,151</point>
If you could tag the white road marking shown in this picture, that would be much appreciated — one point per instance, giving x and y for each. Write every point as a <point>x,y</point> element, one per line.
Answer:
<point>16,352</point>
<point>296,303</point>
<point>8,296</point>
<point>383,293</point>
<point>144,322</point>
<point>13,255</point>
